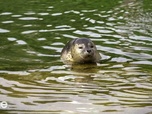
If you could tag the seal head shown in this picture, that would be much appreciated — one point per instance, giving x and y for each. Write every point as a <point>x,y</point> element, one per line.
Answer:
<point>80,50</point>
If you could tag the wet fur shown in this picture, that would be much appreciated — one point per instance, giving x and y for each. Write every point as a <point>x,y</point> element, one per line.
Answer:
<point>68,52</point>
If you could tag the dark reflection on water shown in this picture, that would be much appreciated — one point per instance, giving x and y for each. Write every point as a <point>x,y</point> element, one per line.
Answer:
<point>32,77</point>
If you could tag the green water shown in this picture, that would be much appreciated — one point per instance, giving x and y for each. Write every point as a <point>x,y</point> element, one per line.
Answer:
<point>33,79</point>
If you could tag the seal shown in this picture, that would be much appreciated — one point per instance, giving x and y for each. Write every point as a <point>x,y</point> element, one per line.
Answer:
<point>80,51</point>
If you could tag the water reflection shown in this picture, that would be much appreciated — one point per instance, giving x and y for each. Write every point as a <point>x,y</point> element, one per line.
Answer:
<point>33,79</point>
<point>3,30</point>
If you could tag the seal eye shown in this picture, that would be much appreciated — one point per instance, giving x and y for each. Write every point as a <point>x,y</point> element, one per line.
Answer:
<point>80,47</point>
<point>92,46</point>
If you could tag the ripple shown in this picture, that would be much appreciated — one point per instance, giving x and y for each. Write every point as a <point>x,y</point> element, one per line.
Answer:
<point>30,13</point>
<point>62,29</point>
<point>100,29</point>
<point>11,39</point>
<point>63,26</point>
<point>94,10</point>
<point>45,30</point>
<point>6,13</point>
<point>6,22</point>
<point>30,18</point>
<point>4,30</point>
<point>69,36</point>
<point>51,7</point>
<point>41,39</point>
<point>52,48</point>
<point>88,33</point>
<point>72,11</point>
<point>16,15</point>
<point>142,62</point>
<point>139,48</point>
<point>15,72</point>
<point>43,14</point>
<point>112,50</point>
<point>57,44</point>
<point>46,55</point>
<point>111,19</point>
<point>142,38</point>
<point>29,31</point>
<point>29,25</point>
<point>21,42</point>
<point>92,20</point>
<point>112,42</point>
<point>138,55</point>
<point>56,14</point>
<point>120,59</point>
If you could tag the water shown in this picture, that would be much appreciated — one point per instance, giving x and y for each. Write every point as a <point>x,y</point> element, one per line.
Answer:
<point>34,80</point>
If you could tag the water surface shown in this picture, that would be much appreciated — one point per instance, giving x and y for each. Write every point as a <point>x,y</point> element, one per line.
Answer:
<point>34,80</point>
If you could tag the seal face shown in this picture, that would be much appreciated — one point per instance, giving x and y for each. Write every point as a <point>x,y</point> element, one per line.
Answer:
<point>80,50</point>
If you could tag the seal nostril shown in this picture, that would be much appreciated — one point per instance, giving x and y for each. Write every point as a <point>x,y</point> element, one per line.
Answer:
<point>88,51</point>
